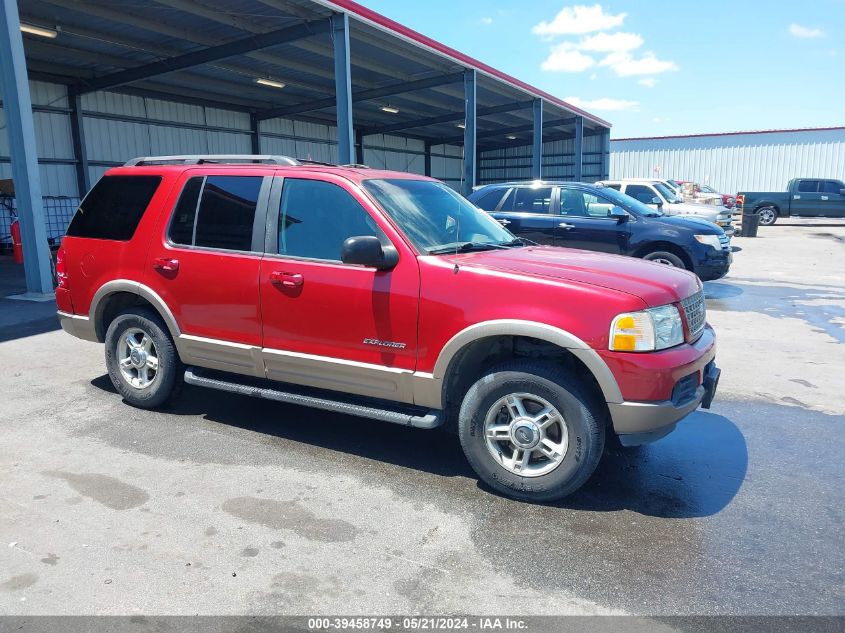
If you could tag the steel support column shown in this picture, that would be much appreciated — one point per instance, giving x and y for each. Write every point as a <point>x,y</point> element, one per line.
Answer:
<point>578,153</point>
<point>359,147</point>
<point>77,135</point>
<point>427,160</point>
<point>255,134</point>
<point>469,131</point>
<point>17,106</point>
<point>605,154</point>
<point>343,89</point>
<point>537,145</point>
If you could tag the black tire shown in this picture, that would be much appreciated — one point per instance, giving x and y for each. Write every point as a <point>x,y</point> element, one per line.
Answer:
<point>667,258</point>
<point>169,376</point>
<point>584,424</point>
<point>767,216</point>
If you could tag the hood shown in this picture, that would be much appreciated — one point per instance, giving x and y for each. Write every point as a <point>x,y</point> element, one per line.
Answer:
<point>655,284</point>
<point>704,210</point>
<point>692,223</point>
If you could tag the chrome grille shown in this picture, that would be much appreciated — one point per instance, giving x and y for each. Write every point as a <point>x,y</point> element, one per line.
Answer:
<point>695,313</point>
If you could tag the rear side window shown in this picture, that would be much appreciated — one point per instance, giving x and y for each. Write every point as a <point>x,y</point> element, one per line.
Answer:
<point>490,200</point>
<point>114,207</point>
<point>217,212</point>
<point>808,186</point>
<point>533,200</point>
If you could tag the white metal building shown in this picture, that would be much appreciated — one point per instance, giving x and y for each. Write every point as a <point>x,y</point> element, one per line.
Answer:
<point>734,161</point>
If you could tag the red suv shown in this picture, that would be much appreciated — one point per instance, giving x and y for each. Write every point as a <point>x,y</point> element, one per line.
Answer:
<point>385,295</point>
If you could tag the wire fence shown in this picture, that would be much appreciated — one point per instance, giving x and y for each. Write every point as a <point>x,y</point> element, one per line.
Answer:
<point>58,212</point>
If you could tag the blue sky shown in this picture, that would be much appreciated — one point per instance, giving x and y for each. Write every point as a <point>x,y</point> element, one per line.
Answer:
<point>658,67</point>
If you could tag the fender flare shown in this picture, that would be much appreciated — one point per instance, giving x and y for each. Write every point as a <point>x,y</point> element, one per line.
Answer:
<point>549,333</point>
<point>98,303</point>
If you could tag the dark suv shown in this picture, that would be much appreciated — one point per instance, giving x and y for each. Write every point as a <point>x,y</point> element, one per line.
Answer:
<point>578,215</point>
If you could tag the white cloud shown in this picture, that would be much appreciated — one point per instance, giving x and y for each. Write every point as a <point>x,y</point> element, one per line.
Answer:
<point>611,42</point>
<point>648,82</point>
<point>564,58</point>
<point>578,20</point>
<point>605,103</point>
<point>625,65</point>
<point>804,32</point>
<point>486,20</point>
<point>593,77</point>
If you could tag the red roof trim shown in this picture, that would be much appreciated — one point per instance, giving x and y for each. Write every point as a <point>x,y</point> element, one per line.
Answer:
<point>391,25</point>
<point>747,133</point>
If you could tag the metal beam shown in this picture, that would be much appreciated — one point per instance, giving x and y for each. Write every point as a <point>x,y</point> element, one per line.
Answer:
<point>537,141</point>
<point>343,89</point>
<point>17,106</point>
<point>77,134</point>
<point>254,134</point>
<point>578,169</point>
<point>503,131</point>
<point>470,115</point>
<point>427,159</point>
<point>448,118</point>
<point>363,95</point>
<point>205,56</point>
<point>605,153</point>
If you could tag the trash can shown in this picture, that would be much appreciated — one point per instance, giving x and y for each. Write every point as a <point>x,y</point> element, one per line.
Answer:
<point>750,222</point>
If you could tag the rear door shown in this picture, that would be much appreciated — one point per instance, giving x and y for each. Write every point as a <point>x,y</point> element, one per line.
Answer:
<point>585,223</point>
<point>806,199</point>
<point>527,211</point>
<point>328,324</point>
<point>832,200</point>
<point>205,266</point>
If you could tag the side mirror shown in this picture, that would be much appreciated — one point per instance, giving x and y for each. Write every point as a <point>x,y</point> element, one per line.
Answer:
<point>657,201</point>
<point>619,214</point>
<point>366,250</point>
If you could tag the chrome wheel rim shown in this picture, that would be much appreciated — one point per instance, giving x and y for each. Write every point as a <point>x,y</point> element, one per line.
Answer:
<point>526,435</point>
<point>137,358</point>
<point>661,260</point>
<point>766,216</point>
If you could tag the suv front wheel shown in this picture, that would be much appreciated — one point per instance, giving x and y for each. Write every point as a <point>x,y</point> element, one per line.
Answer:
<point>141,359</point>
<point>531,431</point>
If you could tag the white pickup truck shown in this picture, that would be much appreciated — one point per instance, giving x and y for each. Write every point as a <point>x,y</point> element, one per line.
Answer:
<point>655,193</point>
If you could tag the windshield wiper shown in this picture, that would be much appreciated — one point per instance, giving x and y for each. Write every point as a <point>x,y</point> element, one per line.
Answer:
<point>464,247</point>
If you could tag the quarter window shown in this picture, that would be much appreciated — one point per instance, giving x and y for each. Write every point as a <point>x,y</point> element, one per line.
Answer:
<point>316,217</point>
<point>113,209</point>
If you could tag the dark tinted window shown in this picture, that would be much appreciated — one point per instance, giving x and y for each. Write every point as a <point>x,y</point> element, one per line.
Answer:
<point>808,186</point>
<point>182,224</point>
<point>533,199</point>
<point>617,187</point>
<point>227,212</point>
<point>640,192</point>
<point>316,217</point>
<point>832,186</point>
<point>576,202</point>
<point>507,203</point>
<point>490,200</point>
<point>114,207</point>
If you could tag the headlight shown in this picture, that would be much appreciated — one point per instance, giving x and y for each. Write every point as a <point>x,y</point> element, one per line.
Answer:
<point>709,240</point>
<point>647,331</point>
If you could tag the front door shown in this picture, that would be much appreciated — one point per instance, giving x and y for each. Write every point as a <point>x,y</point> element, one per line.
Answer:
<point>832,199</point>
<point>327,324</point>
<point>584,222</point>
<point>527,212</point>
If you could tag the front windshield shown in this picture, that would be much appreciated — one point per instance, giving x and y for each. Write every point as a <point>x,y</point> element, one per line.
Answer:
<point>629,203</point>
<point>707,189</point>
<point>436,218</point>
<point>667,193</point>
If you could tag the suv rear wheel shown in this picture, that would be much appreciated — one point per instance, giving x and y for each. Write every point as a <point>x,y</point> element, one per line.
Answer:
<point>141,359</point>
<point>531,431</point>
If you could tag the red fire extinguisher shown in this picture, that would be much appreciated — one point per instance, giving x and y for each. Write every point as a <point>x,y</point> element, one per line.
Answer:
<point>17,246</point>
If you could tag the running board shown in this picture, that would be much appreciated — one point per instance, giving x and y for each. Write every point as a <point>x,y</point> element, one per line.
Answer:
<point>197,377</point>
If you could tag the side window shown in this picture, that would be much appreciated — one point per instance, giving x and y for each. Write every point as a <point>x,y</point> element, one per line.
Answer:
<point>533,199</point>
<point>490,200</point>
<point>832,186</point>
<point>316,217</point>
<point>641,192</point>
<point>113,209</point>
<point>596,206</point>
<point>182,223</point>
<point>507,203</point>
<point>227,211</point>
<point>808,186</point>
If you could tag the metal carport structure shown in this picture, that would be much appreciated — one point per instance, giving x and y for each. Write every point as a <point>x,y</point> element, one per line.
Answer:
<point>334,64</point>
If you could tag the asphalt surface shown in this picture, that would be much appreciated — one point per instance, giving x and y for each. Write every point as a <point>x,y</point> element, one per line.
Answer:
<point>229,505</point>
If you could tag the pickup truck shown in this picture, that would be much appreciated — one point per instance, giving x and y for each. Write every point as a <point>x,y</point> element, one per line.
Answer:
<point>809,197</point>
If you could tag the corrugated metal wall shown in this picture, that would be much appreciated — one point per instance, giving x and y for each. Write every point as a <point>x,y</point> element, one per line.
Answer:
<point>118,127</point>
<point>514,163</point>
<point>731,163</point>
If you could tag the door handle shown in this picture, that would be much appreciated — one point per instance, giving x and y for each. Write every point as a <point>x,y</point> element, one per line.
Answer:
<point>288,280</point>
<point>165,265</point>
<point>503,222</point>
<point>824,197</point>
<point>566,226</point>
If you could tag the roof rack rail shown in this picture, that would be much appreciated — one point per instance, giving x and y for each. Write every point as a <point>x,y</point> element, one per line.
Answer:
<point>356,166</point>
<point>198,159</point>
